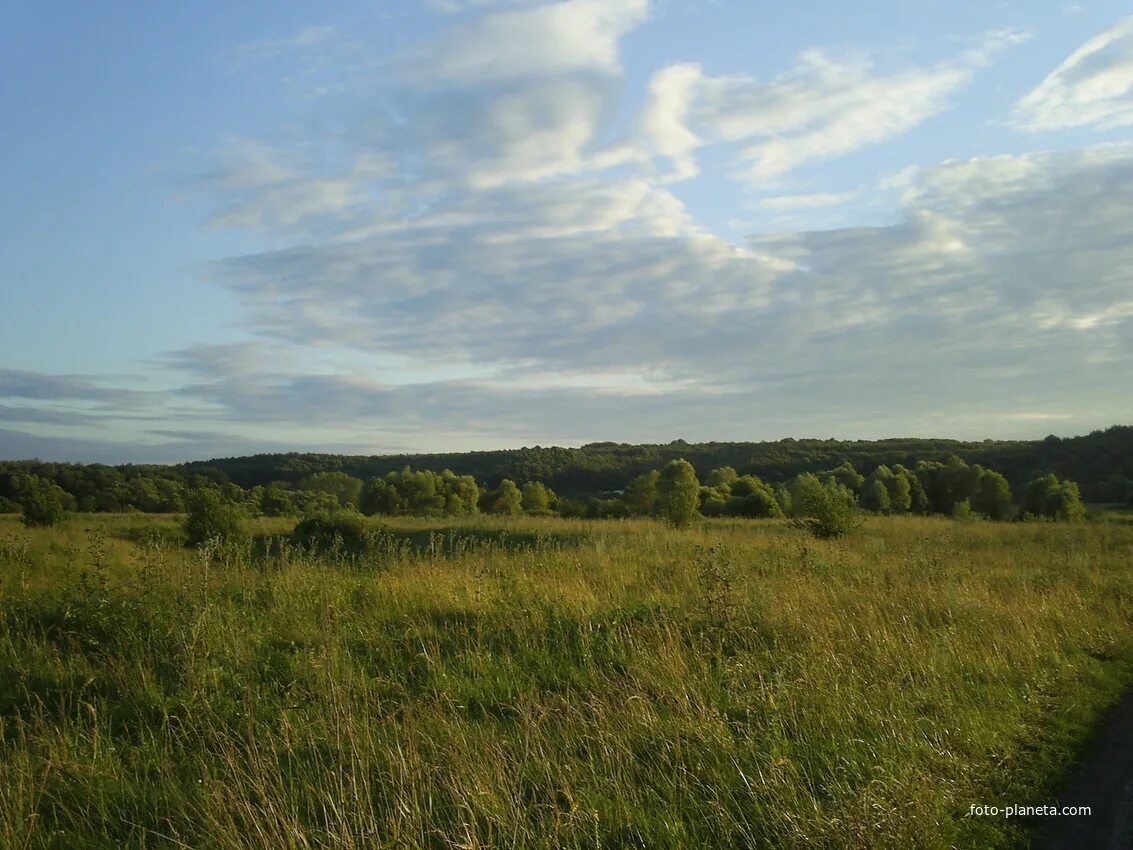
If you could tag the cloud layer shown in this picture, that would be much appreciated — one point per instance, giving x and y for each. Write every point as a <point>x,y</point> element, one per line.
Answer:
<point>1004,286</point>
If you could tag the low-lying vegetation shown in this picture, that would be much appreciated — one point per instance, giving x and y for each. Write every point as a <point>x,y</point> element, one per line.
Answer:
<point>548,683</point>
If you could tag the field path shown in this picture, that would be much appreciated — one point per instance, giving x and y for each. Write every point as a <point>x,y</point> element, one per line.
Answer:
<point>1103,781</point>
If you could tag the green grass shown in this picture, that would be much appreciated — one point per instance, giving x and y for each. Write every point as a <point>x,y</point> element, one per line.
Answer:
<point>551,683</point>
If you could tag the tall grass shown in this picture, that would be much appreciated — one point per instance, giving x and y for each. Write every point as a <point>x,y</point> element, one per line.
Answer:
<point>548,683</point>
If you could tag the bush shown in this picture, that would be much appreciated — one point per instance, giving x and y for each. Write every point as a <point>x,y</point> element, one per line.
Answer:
<point>507,499</point>
<point>825,509</point>
<point>752,498</point>
<point>962,511</point>
<point>44,502</point>
<point>312,503</point>
<point>342,530</point>
<point>1054,499</point>
<point>210,517</point>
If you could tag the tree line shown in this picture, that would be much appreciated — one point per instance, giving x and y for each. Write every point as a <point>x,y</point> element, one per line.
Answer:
<point>673,491</point>
<point>1102,462</point>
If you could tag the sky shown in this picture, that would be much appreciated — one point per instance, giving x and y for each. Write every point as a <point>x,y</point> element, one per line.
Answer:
<point>445,225</point>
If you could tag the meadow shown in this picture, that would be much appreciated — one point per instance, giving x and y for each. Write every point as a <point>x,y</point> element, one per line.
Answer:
<point>551,683</point>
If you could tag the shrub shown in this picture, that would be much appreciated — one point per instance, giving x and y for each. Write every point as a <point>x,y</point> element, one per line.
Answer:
<point>825,509</point>
<point>1065,503</point>
<point>312,503</point>
<point>753,498</point>
<point>343,530</point>
<point>210,517</point>
<point>1054,499</point>
<point>44,502</point>
<point>962,511</point>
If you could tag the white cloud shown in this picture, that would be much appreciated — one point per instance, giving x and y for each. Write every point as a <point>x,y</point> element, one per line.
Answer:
<point>791,203</point>
<point>664,119</point>
<point>545,40</point>
<point>1093,86</point>
<point>511,95</point>
<point>262,192</point>
<point>821,108</point>
<point>530,131</point>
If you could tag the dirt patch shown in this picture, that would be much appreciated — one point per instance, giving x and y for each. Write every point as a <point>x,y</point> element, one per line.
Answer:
<point>1104,782</point>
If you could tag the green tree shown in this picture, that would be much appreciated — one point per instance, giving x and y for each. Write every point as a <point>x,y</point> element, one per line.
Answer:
<point>678,492</point>
<point>345,488</point>
<point>210,517</point>
<point>724,476</point>
<point>712,502</point>
<point>824,508</point>
<point>752,497</point>
<point>172,495</point>
<point>423,492</point>
<point>783,497</point>
<point>875,496</point>
<point>381,496</point>
<point>760,504</point>
<point>277,500</point>
<point>462,494</point>
<point>535,498</point>
<point>313,503</point>
<point>848,477</point>
<point>900,490</point>
<point>1035,493</point>
<point>1064,502</point>
<point>144,495</point>
<point>507,499</point>
<point>640,494</point>
<point>1049,497</point>
<point>44,502</point>
<point>745,486</point>
<point>992,497</point>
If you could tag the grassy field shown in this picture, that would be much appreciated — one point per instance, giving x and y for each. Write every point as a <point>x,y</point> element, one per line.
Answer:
<point>549,683</point>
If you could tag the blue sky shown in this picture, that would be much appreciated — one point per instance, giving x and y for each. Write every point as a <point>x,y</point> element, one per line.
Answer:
<point>457,224</point>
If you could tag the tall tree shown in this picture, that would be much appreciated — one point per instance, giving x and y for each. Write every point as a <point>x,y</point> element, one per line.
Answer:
<point>1034,496</point>
<point>992,496</point>
<point>535,498</point>
<point>640,495</point>
<point>678,492</point>
<point>875,496</point>
<point>507,499</point>
<point>900,490</point>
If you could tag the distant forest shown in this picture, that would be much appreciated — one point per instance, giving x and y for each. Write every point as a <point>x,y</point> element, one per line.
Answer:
<point>1101,463</point>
